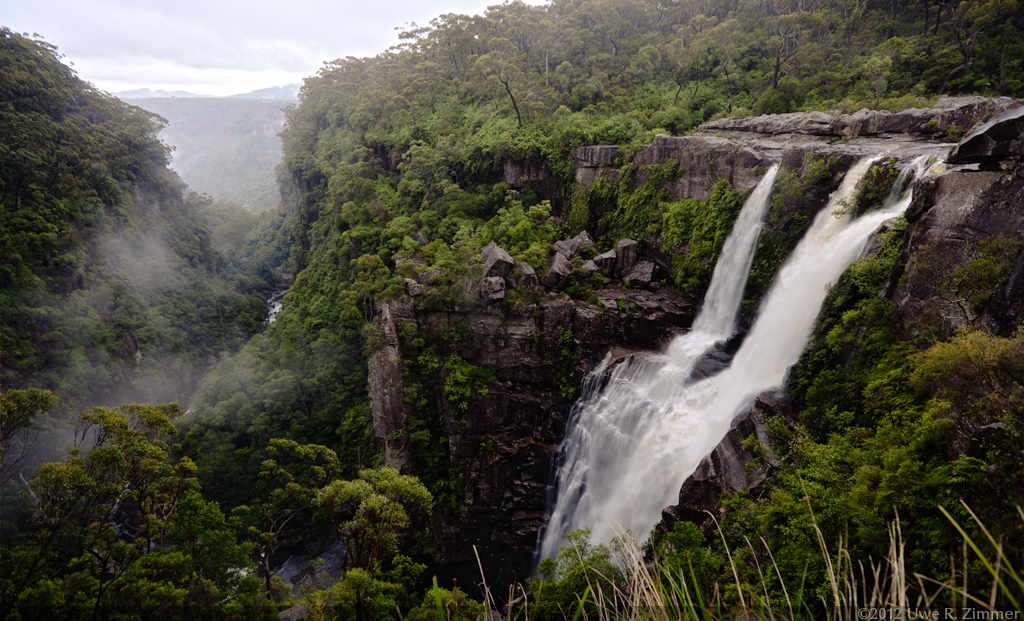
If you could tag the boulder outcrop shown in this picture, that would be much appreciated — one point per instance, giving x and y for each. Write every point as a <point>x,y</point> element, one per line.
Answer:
<point>625,256</point>
<point>496,261</point>
<point>557,271</point>
<point>999,139</point>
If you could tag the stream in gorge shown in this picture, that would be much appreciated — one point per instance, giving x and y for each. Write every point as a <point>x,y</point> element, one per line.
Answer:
<point>630,446</point>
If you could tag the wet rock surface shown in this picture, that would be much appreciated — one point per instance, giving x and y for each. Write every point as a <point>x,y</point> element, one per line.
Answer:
<point>952,216</point>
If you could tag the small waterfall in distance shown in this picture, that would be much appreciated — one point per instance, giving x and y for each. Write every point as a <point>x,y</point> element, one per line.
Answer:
<point>629,448</point>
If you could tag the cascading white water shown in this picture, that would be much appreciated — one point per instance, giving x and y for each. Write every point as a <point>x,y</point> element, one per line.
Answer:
<point>631,447</point>
<point>717,316</point>
<point>606,423</point>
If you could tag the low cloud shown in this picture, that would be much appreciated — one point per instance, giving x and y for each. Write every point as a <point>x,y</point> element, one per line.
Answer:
<point>218,47</point>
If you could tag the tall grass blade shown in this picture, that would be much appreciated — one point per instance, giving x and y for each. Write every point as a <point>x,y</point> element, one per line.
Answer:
<point>982,557</point>
<point>437,598</point>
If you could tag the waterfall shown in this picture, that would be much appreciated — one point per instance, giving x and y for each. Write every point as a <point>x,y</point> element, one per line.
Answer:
<point>631,446</point>
<point>605,423</point>
<point>718,313</point>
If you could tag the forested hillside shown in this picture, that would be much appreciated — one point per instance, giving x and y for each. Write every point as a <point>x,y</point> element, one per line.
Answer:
<point>411,154</point>
<point>113,288</point>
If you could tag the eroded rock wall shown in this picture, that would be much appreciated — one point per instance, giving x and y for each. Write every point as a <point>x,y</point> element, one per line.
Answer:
<point>502,444</point>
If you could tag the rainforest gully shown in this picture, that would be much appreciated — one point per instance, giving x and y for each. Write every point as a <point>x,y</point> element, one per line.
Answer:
<point>591,309</point>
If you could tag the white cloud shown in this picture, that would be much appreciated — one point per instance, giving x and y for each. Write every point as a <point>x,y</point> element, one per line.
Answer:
<point>217,46</point>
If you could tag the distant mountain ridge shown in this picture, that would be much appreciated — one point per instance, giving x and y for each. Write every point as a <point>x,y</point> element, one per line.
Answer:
<point>282,93</point>
<point>148,93</point>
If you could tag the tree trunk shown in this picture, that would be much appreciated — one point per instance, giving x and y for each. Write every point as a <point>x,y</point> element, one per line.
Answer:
<point>679,78</point>
<point>828,24</point>
<point>729,81</point>
<point>945,83</point>
<point>696,88</point>
<point>514,105</point>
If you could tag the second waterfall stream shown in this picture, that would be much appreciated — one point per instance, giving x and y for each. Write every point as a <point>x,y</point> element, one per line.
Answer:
<point>630,446</point>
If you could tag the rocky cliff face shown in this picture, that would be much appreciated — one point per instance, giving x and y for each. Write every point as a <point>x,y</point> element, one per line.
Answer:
<point>743,460</point>
<point>501,443</point>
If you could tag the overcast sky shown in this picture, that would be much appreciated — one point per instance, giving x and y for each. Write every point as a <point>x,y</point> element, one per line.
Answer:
<point>217,47</point>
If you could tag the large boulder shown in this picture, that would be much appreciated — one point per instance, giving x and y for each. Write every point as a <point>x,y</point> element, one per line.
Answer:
<point>606,262</point>
<point>568,248</point>
<point>585,239</point>
<point>557,272</point>
<point>496,261</point>
<point>413,288</point>
<point>641,274</point>
<point>1001,138</point>
<point>625,256</point>
<point>523,277</point>
<point>492,289</point>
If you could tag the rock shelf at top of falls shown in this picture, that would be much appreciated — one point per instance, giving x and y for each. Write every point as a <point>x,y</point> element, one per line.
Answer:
<point>739,150</point>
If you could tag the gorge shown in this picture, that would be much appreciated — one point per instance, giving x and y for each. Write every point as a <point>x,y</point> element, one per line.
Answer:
<point>516,306</point>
